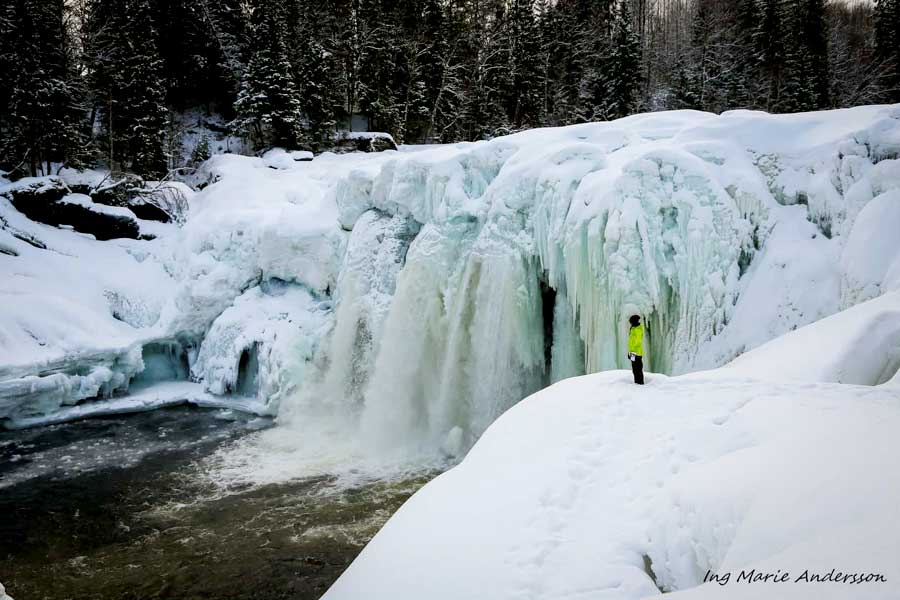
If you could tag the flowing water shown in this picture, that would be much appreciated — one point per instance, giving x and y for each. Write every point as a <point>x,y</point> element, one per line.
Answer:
<point>125,507</point>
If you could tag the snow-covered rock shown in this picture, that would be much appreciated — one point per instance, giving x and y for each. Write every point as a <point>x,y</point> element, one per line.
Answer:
<point>363,141</point>
<point>47,200</point>
<point>260,346</point>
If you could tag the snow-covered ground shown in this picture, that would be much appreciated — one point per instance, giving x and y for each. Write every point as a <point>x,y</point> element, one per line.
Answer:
<point>403,300</point>
<point>597,488</point>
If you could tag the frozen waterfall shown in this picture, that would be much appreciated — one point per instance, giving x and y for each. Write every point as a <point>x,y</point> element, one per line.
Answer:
<point>476,274</point>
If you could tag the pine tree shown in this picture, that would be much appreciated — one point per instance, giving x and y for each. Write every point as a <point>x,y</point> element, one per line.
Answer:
<point>770,38</point>
<point>686,86</point>
<point>525,83</point>
<point>412,52</point>
<point>144,94</point>
<point>743,87</point>
<point>887,44</point>
<point>814,38</point>
<point>595,42</point>
<point>703,68</point>
<point>623,76</point>
<point>201,151</point>
<point>44,119</point>
<point>446,72</point>
<point>7,58</point>
<point>486,81</point>
<point>380,67</point>
<point>317,72</point>
<point>268,106</point>
<point>128,89</point>
<point>804,76</point>
<point>227,28</point>
<point>570,43</point>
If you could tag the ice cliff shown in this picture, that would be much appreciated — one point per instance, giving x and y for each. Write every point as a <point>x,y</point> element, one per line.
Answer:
<point>413,296</point>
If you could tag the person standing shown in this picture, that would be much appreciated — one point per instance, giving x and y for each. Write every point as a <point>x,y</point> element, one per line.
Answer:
<point>636,348</point>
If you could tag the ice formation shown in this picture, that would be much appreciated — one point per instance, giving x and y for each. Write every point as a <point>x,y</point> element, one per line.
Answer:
<point>532,250</point>
<point>416,295</point>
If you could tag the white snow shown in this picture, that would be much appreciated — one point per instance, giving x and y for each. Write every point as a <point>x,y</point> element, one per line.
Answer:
<point>871,258</point>
<point>564,495</point>
<point>860,345</point>
<point>85,202</point>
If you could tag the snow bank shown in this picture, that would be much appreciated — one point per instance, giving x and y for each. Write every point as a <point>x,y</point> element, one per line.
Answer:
<point>239,294</point>
<point>574,491</point>
<point>66,292</point>
<point>860,345</point>
<point>871,258</point>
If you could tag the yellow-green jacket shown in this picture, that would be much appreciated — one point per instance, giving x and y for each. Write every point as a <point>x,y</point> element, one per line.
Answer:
<point>636,340</point>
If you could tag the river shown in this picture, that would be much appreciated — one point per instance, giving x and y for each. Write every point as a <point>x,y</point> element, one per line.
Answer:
<point>120,508</point>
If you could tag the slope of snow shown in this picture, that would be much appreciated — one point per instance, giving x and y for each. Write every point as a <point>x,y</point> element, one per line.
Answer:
<point>566,494</point>
<point>860,345</point>
<point>73,294</point>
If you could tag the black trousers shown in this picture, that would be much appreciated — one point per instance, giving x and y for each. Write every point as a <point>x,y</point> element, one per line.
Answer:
<point>637,367</point>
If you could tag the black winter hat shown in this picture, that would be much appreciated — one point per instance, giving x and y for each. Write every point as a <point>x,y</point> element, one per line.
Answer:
<point>634,320</point>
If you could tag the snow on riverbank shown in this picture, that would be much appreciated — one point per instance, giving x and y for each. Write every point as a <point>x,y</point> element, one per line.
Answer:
<point>566,493</point>
<point>235,300</point>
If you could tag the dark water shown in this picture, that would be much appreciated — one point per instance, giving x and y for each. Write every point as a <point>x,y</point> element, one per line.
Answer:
<point>115,508</point>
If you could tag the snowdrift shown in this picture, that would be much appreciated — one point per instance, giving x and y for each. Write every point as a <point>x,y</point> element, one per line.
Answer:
<point>860,345</point>
<point>596,488</point>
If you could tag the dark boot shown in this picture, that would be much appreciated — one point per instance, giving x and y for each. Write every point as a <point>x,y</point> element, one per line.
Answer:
<point>637,367</point>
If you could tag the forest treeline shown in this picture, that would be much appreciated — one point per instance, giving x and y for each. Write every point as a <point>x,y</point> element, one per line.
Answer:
<point>89,82</point>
